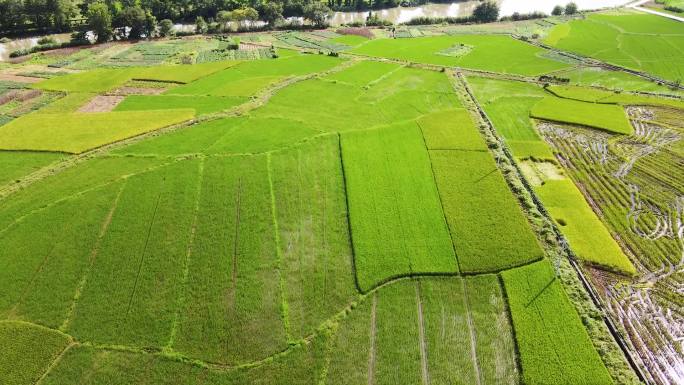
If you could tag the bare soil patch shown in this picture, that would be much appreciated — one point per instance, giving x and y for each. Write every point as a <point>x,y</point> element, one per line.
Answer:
<point>102,103</point>
<point>19,78</point>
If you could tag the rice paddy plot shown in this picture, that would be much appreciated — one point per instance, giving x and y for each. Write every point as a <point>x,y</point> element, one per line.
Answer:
<point>441,330</point>
<point>105,79</point>
<point>613,97</point>
<point>642,42</point>
<point>314,243</point>
<point>248,78</point>
<point>79,132</point>
<point>41,275</point>
<point>71,102</point>
<point>233,268</point>
<point>616,80</point>
<point>131,292</point>
<point>15,165</point>
<point>496,53</point>
<point>301,365</point>
<point>451,130</point>
<point>508,105</point>
<point>363,73</point>
<point>553,343</point>
<point>587,236</point>
<point>401,94</point>
<point>610,118</point>
<point>201,104</point>
<point>397,228</point>
<point>70,183</point>
<point>475,198</point>
<point>26,351</point>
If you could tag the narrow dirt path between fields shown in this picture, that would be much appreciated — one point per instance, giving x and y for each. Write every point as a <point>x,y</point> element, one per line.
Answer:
<point>371,350</point>
<point>421,333</point>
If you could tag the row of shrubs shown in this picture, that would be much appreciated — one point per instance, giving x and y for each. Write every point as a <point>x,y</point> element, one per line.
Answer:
<point>47,43</point>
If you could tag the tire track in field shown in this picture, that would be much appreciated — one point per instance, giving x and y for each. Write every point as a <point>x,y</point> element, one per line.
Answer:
<point>421,332</point>
<point>93,256</point>
<point>34,276</point>
<point>188,254</point>
<point>144,252</point>
<point>371,350</point>
<point>471,331</point>
<point>236,240</point>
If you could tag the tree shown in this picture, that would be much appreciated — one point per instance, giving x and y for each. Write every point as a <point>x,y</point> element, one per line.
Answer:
<point>166,28</point>
<point>557,10</point>
<point>272,13</point>
<point>486,12</point>
<point>134,18</point>
<point>225,17</point>
<point>571,9</point>
<point>245,14</point>
<point>150,24</point>
<point>11,14</point>
<point>201,26</point>
<point>61,11</point>
<point>317,13</point>
<point>100,21</point>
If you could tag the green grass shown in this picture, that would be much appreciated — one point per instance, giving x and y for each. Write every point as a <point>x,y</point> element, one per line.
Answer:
<point>490,52</point>
<point>79,132</point>
<point>101,80</point>
<point>587,235</point>
<point>397,228</point>
<point>451,130</point>
<point>249,77</point>
<point>554,347</point>
<point>311,211</point>
<point>631,41</point>
<point>26,351</point>
<point>475,198</point>
<point>232,308</point>
<point>201,104</point>
<point>602,116</point>
<point>15,165</point>
<point>137,275</point>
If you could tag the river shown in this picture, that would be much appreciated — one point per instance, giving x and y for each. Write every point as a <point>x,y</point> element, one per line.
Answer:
<point>465,8</point>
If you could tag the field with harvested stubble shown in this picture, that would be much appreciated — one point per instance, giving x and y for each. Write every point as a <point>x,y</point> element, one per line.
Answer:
<point>405,211</point>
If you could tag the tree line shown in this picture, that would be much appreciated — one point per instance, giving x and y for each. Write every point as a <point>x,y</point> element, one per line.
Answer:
<point>19,16</point>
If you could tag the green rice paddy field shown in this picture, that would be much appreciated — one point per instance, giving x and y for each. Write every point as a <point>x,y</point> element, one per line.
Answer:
<point>329,219</point>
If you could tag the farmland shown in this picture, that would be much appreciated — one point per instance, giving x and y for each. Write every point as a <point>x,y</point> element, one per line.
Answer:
<point>445,204</point>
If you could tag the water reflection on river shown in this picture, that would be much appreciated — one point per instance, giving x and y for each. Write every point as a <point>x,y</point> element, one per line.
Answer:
<point>465,8</point>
